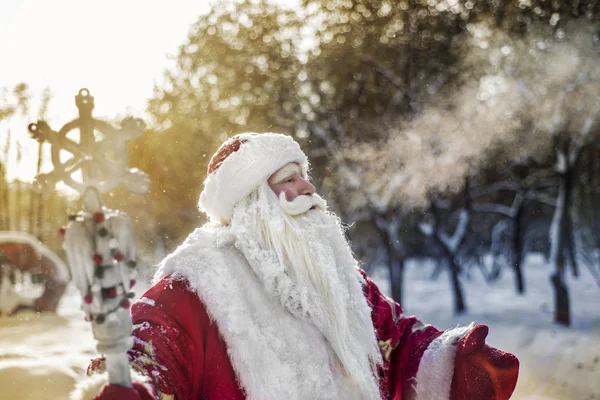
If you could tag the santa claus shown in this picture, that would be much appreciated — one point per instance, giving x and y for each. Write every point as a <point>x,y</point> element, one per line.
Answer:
<point>266,301</point>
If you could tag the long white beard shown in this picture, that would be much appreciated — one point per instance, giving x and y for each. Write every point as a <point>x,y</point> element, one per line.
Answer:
<point>305,261</point>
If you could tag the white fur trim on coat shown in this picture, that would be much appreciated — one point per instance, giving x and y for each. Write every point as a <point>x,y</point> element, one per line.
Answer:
<point>259,156</point>
<point>274,354</point>
<point>436,368</point>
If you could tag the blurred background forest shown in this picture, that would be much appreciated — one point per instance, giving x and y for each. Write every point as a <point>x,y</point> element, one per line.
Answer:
<point>463,132</point>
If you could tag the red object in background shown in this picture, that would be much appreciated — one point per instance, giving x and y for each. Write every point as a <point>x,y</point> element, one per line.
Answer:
<point>125,303</point>
<point>118,392</point>
<point>27,254</point>
<point>98,217</point>
<point>111,293</point>
<point>131,283</point>
<point>87,299</point>
<point>97,259</point>
<point>119,257</point>
<point>62,230</point>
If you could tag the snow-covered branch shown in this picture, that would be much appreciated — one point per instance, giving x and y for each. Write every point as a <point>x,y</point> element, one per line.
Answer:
<point>542,198</point>
<point>426,228</point>
<point>517,203</point>
<point>561,165</point>
<point>502,209</point>
<point>542,183</point>
<point>555,226</point>
<point>460,231</point>
<point>580,140</point>
<point>443,204</point>
<point>493,208</point>
<point>391,227</point>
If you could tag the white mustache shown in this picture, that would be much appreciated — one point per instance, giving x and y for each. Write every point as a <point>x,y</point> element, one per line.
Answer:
<point>302,204</point>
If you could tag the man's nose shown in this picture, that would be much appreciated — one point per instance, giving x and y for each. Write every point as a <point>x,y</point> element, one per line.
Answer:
<point>308,189</point>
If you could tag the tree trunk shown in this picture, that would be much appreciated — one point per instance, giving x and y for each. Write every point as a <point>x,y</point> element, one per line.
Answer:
<point>518,244</point>
<point>562,309</point>
<point>499,13</point>
<point>388,226</point>
<point>557,249</point>
<point>459,301</point>
<point>570,248</point>
<point>396,268</point>
<point>437,271</point>
<point>454,269</point>
<point>451,248</point>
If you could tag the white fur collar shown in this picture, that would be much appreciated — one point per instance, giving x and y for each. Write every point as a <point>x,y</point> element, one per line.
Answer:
<point>275,355</point>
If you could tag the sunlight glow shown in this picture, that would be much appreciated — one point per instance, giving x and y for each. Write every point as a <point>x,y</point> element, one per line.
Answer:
<point>117,49</point>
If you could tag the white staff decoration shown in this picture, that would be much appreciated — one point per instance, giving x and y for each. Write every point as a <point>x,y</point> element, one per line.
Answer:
<point>99,242</point>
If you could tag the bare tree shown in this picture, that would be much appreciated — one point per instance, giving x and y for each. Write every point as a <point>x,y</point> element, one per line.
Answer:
<point>450,243</point>
<point>558,83</point>
<point>508,235</point>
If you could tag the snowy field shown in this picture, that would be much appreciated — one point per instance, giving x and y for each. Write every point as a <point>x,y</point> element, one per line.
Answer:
<point>556,362</point>
<point>41,356</point>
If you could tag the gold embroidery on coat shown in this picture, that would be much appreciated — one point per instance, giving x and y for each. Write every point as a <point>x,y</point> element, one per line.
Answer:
<point>386,349</point>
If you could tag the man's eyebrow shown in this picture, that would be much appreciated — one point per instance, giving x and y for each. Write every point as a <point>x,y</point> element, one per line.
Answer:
<point>286,172</point>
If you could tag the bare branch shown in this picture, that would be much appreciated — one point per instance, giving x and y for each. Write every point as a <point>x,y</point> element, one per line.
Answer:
<point>542,198</point>
<point>453,241</point>
<point>541,175</point>
<point>517,203</point>
<point>580,140</point>
<point>379,221</point>
<point>484,190</point>
<point>561,161</point>
<point>386,73</point>
<point>544,183</point>
<point>443,204</point>
<point>493,208</point>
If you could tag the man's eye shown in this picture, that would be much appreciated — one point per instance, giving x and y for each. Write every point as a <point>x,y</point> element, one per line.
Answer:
<point>288,180</point>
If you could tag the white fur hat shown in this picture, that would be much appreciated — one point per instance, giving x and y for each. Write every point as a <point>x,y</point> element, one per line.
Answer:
<point>240,165</point>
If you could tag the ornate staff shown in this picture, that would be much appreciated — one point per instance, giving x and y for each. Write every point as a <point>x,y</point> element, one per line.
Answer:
<point>99,242</point>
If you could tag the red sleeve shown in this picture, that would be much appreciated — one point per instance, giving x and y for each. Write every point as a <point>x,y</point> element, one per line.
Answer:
<point>177,347</point>
<point>169,330</point>
<point>402,341</point>
<point>481,371</point>
<point>475,371</point>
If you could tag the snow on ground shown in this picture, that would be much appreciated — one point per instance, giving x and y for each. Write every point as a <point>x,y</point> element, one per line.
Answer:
<point>556,362</point>
<point>41,356</point>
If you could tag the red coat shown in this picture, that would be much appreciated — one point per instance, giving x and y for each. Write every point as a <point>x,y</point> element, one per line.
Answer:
<point>180,348</point>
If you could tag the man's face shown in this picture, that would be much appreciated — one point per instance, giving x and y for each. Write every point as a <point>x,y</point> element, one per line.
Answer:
<point>289,180</point>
